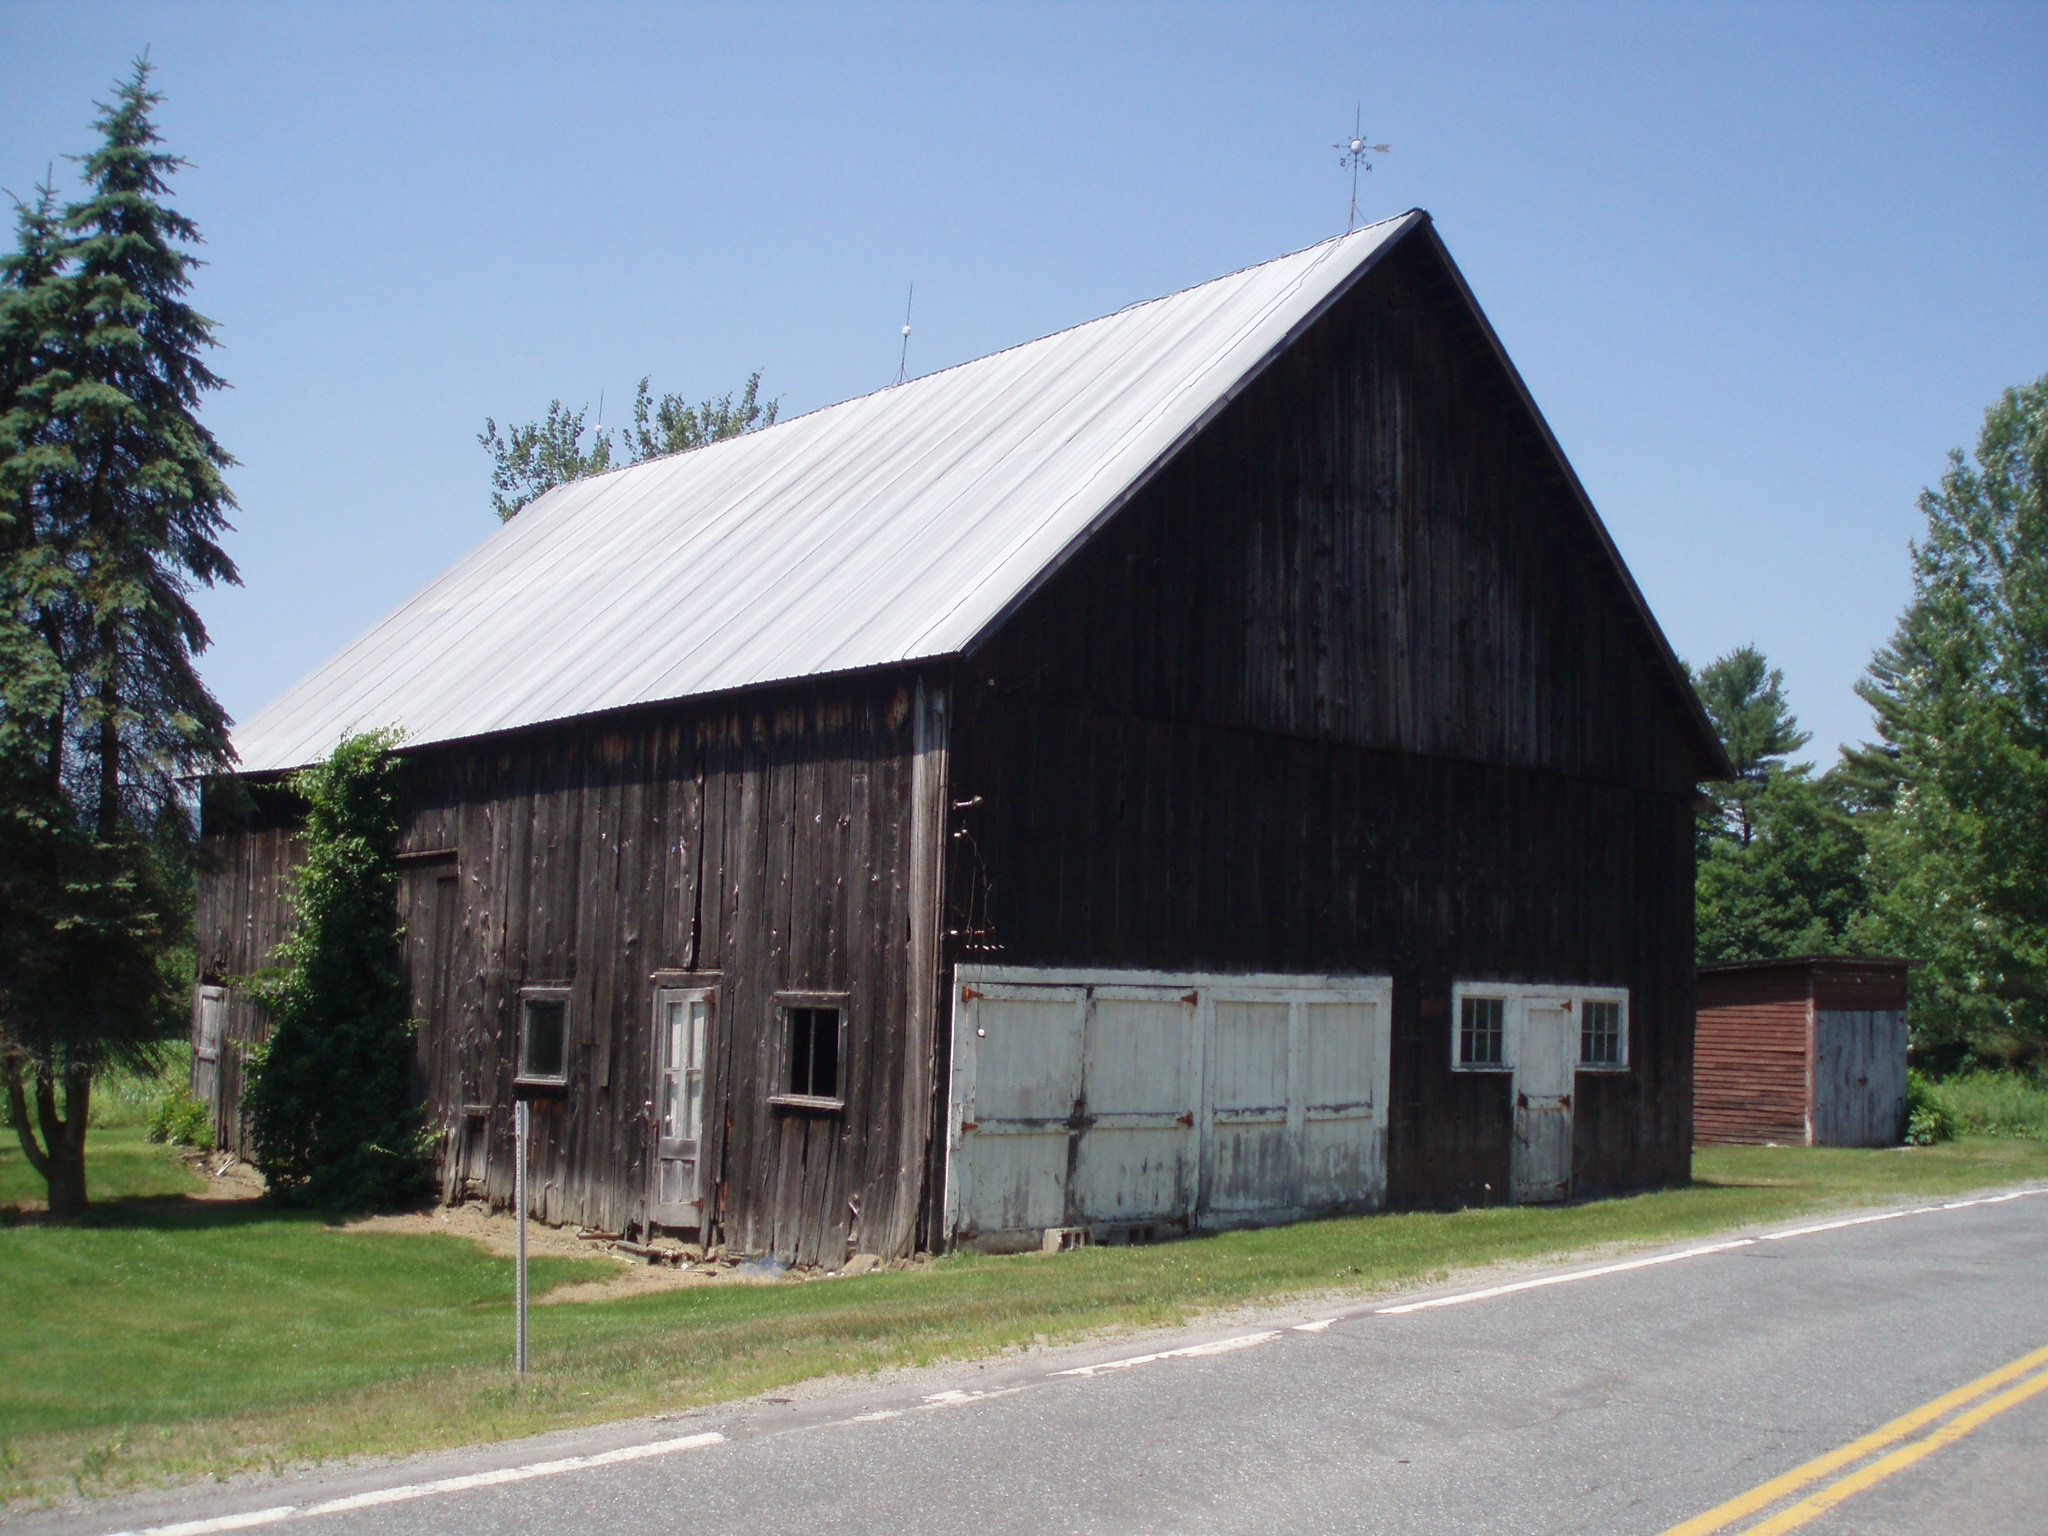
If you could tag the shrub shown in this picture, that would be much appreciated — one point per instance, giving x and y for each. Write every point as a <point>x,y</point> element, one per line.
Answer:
<point>331,1117</point>
<point>1928,1119</point>
<point>179,1120</point>
<point>2001,1103</point>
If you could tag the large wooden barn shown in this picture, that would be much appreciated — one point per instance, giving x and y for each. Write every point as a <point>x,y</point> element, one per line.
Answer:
<point>1202,767</point>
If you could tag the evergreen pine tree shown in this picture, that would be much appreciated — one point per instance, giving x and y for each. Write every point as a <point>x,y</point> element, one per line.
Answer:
<point>1780,860</point>
<point>112,498</point>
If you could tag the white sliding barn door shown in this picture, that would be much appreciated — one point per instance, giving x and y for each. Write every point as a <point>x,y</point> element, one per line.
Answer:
<point>1253,1165</point>
<point>1131,1102</point>
<point>1132,1157</point>
<point>1017,1077</point>
<point>1343,1050</point>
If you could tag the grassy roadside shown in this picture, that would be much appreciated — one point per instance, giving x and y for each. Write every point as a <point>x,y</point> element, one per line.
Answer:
<point>170,1339</point>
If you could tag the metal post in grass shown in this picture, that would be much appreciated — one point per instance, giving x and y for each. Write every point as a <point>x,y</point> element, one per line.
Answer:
<point>522,1128</point>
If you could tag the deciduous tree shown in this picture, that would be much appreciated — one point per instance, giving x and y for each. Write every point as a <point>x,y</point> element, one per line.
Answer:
<point>528,461</point>
<point>1957,780</point>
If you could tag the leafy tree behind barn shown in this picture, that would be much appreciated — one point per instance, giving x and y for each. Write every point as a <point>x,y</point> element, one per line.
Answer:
<point>112,502</point>
<point>528,461</point>
<point>1956,783</point>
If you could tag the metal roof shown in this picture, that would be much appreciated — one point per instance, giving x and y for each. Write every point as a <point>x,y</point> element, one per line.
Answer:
<point>895,527</point>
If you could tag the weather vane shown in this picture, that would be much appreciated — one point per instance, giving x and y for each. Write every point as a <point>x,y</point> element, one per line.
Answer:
<point>1355,149</point>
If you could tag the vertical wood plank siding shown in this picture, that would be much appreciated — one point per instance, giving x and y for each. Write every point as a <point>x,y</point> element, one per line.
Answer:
<point>1350,687</point>
<point>768,841</point>
<point>242,913</point>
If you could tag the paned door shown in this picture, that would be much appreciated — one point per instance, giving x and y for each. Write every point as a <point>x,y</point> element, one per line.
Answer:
<point>1546,1058</point>
<point>683,1024</point>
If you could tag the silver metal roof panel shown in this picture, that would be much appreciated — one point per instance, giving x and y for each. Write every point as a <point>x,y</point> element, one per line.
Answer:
<point>894,527</point>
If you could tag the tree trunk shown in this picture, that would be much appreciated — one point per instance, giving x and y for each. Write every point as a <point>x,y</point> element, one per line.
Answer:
<point>63,1167</point>
<point>17,1111</point>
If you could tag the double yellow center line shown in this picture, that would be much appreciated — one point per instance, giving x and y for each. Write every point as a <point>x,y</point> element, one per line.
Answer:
<point>2022,1379</point>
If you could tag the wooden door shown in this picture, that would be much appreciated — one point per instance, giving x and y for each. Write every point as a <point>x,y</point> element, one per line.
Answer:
<point>683,1027</point>
<point>1133,1158</point>
<point>1546,1057</point>
<point>1859,1077</point>
<point>1251,1162</point>
<point>210,1008</point>
<point>1017,1077</point>
<point>1343,1090</point>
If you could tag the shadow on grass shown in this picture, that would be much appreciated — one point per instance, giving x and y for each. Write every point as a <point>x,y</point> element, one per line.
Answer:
<point>168,1213</point>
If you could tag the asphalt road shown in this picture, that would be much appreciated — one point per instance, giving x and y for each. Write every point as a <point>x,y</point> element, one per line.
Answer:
<point>1627,1401</point>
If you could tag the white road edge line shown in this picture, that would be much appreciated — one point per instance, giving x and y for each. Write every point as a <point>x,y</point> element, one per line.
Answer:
<point>1315,1327</point>
<point>1689,1253</point>
<point>398,1495</point>
<point>1219,1347</point>
<point>1847,1221</point>
<point>1581,1274</point>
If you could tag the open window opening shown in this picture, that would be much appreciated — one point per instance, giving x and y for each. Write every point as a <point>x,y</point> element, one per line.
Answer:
<point>544,1037</point>
<point>813,1057</point>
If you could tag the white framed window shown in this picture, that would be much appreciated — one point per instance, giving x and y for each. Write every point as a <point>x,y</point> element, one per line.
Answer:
<point>1603,1033</point>
<point>544,1037</point>
<point>1482,1032</point>
<point>1489,1020</point>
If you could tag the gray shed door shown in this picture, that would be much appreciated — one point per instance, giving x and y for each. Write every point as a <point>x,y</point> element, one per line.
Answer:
<point>1859,1077</point>
<point>1540,1165</point>
<point>682,1041</point>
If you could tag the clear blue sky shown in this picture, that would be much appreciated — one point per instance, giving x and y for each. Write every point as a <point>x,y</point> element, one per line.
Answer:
<point>1762,265</point>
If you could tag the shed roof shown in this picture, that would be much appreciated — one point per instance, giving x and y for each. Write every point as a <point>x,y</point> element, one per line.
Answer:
<point>896,527</point>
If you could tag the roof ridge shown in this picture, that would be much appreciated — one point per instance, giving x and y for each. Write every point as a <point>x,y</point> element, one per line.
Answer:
<point>1015,346</point>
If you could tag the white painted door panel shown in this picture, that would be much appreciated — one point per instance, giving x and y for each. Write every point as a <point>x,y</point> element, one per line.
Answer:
<point>1546,1057</point>
<point>1251,1165</point>
<point>1018,1060</point>
<point>1131,1160</point>
<point>1343,1139</point>
<point>682,1032</point>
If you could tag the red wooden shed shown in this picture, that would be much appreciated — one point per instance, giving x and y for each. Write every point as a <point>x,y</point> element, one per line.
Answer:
<point>1810,1051</point>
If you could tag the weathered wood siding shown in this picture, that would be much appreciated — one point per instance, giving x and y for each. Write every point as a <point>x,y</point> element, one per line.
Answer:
<point>768,843</point>
<point>1351,687</point>
<point>1806,1050</point>
<point>1752,1056</point>
<point>1859,1077</point>
<point>241,915</point>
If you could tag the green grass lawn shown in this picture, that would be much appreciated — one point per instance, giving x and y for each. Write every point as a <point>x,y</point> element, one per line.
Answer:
<point>120,1166</point>
<point>166,1337</point>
